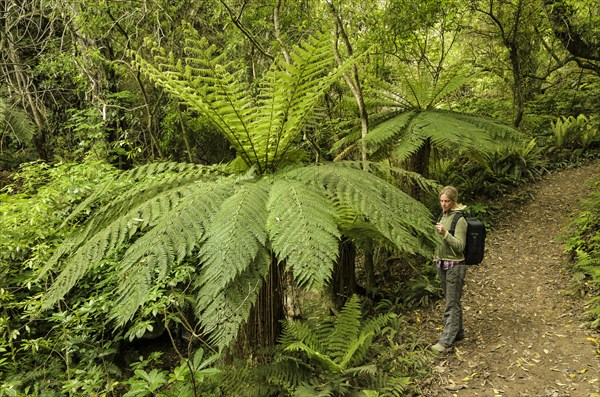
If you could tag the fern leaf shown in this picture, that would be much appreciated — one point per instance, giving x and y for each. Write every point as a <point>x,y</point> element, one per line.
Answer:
<point>438,125</point>
<point>300,331</point>
<point>387,131</point>
<point>173,239</point>
<point>346,331</point>
<point>15,123</point>
<point>222,312</point>
<point>323,360</point>
<point>102,238</point>
<point>303,231</point>
<point>395,215</point>
<point>235,236</point>
<point>289,93</point>
<point>207,86</point>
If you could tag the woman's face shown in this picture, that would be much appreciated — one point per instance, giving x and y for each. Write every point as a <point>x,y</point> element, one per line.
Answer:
<point>446,203</point>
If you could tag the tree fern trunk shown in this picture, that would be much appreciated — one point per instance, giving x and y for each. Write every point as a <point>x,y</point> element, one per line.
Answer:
<point>264,324</point>
<point>419,163</point>
<point>343,282</point>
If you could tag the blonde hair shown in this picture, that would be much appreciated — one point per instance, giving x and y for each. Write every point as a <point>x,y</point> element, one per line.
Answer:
<point>450,192</point>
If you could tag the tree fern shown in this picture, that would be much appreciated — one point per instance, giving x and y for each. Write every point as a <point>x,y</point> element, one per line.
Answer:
<point>14,124</point>
<point>392,212</point>
<point>106,233</point>
<point>415,118</point>
<point>303,230</point>
<point>234,227</point>
<point>261,130</point>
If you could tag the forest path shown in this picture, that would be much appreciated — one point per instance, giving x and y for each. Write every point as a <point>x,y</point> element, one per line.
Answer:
<point>525,335</point>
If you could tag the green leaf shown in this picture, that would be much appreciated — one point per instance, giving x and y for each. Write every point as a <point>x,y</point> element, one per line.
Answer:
<point>303,231</point>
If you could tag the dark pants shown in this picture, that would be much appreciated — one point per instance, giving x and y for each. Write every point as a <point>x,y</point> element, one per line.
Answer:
<point>452,280</point>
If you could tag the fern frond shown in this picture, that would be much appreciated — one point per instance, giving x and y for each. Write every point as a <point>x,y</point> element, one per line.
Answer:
<point>498,132</point>
<point>315,391</point>
<point>396,386</point>
<point>395,215</point>
<point>235,236</point>
<point>15,123</point>
<point>234,262</point>
<point>221,312</point>
<point>392,173</point>
<point>300,331</point>
<point>303,231</point>
<point>387,131</point>
<point>447,130</point>
<point>177,235</point>
<point>105,235</point>
<point>347,329</point>
<point>208,87</point>
<point>261,131</point>
<point>289,93</point>
<point>322,359</point>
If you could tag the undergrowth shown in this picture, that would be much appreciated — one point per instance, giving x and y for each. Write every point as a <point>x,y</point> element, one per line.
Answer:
<point>583,244</point>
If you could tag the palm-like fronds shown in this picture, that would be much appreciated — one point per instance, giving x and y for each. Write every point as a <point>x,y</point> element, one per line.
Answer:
<point>15,124</point>
<point>260,124</point>
<point>338,346</point>
<point>415,121</point>
<point>233,224</point>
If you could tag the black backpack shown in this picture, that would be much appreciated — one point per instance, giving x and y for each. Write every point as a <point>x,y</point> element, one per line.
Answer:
<point>475,244</point>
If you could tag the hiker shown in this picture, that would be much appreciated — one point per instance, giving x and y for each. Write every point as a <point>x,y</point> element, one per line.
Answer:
<point>450,262</point>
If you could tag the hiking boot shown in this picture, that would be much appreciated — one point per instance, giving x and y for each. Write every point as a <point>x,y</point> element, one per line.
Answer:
<point>460,336</point>
<point>438,348</point>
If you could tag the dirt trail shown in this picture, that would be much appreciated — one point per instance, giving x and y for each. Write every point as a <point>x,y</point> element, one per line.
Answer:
<point>525,334</point>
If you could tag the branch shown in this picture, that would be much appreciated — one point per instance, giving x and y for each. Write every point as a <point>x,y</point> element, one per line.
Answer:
<point>236,21</point>
<point>561,17</point>
<point>354,82</point>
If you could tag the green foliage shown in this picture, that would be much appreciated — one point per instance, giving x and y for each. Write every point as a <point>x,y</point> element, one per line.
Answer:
<point>335,352</point>
<point>16,133</point>
<point>231,222</point>
<point>491,174</point>
<point>15,126</point>
<point>583,243</point>
<point>63,350</point>
<point>419,118</point>
<point>230,227</point>
<point>573,136</point>
<point>190,378</point>
<point>261,122</point>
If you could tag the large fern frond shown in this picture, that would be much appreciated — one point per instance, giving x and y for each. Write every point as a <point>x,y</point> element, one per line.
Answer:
<point>303,230</point>
<point>395,215</point>
<point>115,227</point>
<point>290,91</point>
<point>344,344</point>
<point>15,123</point>
<point>178,234</point>
<point>346,330</point>
<point>222,312</point>
<point>388,132</point>
<point>208,86</point>
<point>235,236</point>
<point>415,121</point>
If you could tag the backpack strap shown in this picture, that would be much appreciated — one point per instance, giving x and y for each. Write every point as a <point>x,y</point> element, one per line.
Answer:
<point>459,214</point>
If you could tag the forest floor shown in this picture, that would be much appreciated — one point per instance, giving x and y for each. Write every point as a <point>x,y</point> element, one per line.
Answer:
<point>526,334</point>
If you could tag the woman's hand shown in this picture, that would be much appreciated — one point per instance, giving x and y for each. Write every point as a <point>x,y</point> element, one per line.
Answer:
<point>439,229</point>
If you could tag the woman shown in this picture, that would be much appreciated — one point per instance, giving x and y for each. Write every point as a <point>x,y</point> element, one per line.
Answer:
<point>450,261</point>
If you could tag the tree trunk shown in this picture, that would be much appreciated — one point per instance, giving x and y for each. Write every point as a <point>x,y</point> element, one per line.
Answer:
<point>419,163</point>
<point>264,323</point>
<point>343,282</point>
